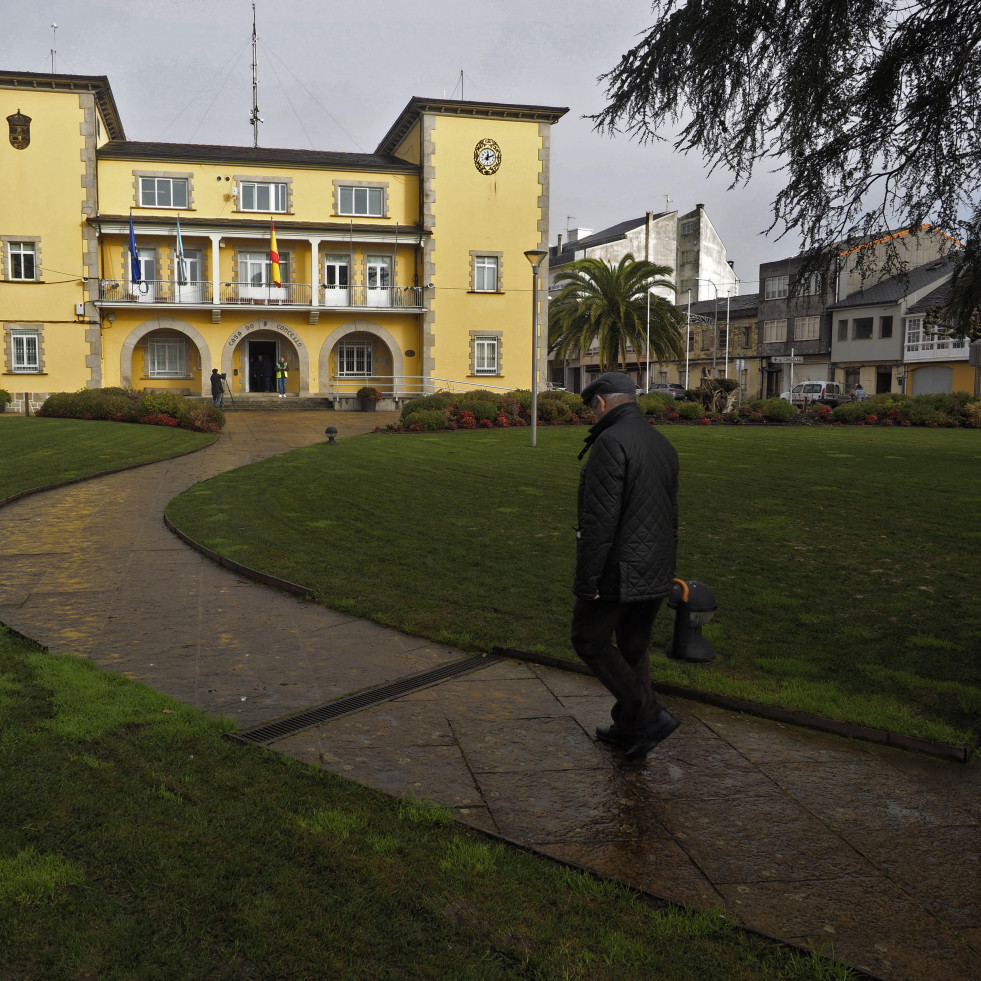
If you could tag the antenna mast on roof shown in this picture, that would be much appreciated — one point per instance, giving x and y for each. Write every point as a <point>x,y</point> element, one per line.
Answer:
<point>254,118</point>
<point>54,52</point>
<point>667,203</point>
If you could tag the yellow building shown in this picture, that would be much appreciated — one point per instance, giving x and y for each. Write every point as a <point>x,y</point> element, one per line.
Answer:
<point>402,269</point>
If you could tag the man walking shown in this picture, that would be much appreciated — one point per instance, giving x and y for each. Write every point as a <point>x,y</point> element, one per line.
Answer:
<point>625,557</point>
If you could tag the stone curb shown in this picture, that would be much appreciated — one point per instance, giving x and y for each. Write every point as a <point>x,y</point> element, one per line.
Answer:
<point>882,737</point>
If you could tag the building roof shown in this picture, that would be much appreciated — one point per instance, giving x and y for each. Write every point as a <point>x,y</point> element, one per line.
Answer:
<point>614,233</point>
<point>893,290</point>
<point>98,85</point>
<point>738,305</point>
<point>209,153</point>
<point>417,105</point>
<point>935,298</point>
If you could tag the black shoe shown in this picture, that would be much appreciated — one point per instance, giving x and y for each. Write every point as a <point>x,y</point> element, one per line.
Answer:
<point>613,736</point>
<point>666,724</point>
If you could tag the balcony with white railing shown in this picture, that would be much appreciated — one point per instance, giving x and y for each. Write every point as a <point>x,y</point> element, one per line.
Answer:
<point>154,291</point>
<point>303,295</point>
<point>923,344</point>
<point>404,386</point>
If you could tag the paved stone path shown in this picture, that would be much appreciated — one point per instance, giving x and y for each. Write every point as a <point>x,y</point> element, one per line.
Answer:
<point>869,853</point>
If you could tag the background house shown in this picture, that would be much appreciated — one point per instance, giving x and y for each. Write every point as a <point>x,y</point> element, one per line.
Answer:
<point>869,343</point>
<point>934,361</point>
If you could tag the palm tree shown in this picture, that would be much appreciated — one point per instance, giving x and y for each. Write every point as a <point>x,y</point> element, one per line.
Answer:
<point>600,301</point>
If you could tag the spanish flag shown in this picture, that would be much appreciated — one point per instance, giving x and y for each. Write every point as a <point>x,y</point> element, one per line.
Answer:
<point>277,279</point>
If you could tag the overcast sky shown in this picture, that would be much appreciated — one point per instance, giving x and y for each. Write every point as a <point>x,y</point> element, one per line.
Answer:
<point>334,76</point>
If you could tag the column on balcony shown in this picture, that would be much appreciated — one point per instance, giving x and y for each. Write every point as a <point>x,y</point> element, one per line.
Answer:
<point>315,271</point>
<point>215,268</point>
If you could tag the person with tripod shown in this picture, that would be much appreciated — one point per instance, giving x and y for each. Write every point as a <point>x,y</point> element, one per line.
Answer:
<point>217,389</point>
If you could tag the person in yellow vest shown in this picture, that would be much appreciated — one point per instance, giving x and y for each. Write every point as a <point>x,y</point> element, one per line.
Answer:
<point>282,373</point>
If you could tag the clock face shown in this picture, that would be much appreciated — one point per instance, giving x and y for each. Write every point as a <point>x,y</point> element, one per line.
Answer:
<point>487,157</point>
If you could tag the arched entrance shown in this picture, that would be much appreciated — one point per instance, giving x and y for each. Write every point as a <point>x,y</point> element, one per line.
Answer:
<point>250,354</point>
<point>168,354</point>
<point>358,353</point>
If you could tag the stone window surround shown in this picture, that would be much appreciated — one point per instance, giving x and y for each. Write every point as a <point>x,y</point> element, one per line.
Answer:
<point>5,241</point>
<point>498,335</point>
<point>176,175</point>
<point>8,346</point>
<point>336,197</point>
<point>252,179</point>
<point>488,254</point>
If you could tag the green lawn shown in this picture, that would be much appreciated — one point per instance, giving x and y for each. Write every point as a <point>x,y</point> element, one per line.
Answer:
<point>844,560</point>
<point>138,843</point>
<point>35,452</point>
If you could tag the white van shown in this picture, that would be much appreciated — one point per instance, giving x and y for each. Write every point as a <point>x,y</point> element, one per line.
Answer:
<point>826,392</point>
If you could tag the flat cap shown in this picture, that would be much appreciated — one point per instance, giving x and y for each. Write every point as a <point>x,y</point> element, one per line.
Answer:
<point>609,383</point>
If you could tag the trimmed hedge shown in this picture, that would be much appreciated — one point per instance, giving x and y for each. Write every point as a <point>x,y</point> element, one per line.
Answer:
<point>128,405</point>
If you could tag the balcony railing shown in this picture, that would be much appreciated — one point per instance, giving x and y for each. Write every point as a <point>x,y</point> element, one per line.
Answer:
<point>371,296</point>
<point>402,386</point>
<point>154,291</point>
<point>935,347</point>
<point>297,294</point>
<point>289,294</point>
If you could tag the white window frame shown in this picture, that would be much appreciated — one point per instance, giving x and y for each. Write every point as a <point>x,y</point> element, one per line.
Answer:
<point>776,287</point>
<point>171,351</point>
<point>265,197</point>
<point>486,354</point>
<point>361,201</point>
<point>688,226</point>
<point>807,328</point>
<point>772,328</point>
<point>158,185</point>
<point>354,359</point>
<point>25,351</point>
<point>485,273</point>
<point>22,250</point>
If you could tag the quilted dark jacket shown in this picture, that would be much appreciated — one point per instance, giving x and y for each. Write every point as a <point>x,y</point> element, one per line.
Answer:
<point>628,510</point>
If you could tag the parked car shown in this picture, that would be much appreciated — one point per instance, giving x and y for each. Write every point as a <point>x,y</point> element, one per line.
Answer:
<point>668,388</point>
<point>825,392</point>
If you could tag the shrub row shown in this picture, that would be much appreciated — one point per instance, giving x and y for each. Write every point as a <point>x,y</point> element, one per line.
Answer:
<point>485,410</point>
<point>956,409</point>
<point>128,405</point>
<point>481,409</point>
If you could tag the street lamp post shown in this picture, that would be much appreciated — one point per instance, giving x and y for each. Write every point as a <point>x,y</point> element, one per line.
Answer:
<point>688,339</point>
<point>535,257</point>
<point>647,343</point>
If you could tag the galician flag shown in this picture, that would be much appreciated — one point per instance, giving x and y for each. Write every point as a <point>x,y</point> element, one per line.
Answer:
<point>274,258</point>
<point>181,265</point>
<point>134,256</point>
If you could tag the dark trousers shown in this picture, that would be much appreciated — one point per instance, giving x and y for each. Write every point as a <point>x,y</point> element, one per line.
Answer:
<point>624,669</point>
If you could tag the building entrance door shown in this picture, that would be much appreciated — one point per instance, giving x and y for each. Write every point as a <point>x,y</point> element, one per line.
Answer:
<point>266,350</point>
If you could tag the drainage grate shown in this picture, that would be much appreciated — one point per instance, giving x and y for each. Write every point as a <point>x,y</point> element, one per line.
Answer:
<point>292,724</point>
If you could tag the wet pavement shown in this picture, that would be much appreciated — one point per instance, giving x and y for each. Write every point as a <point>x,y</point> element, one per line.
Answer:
<point>867,853</point>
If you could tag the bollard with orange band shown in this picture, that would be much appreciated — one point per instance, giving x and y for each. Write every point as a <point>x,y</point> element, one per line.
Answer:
<point>694,605</point>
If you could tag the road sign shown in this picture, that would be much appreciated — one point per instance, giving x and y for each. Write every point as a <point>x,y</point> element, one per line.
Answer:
<point>786,359</point>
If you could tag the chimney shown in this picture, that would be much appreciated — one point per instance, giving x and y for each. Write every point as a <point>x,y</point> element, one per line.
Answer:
<point>558,248</point>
